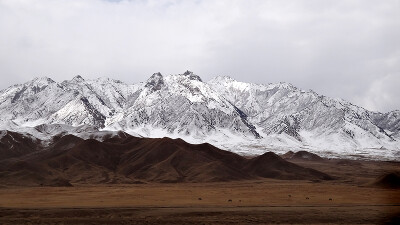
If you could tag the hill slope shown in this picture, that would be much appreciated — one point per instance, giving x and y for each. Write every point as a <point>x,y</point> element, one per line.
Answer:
<point>128,159</point>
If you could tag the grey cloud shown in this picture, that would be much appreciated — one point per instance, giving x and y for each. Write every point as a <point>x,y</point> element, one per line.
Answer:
<point>346,49</point>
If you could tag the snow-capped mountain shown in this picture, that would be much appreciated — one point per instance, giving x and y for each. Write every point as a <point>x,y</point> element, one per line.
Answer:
<point>309,117</point>
<point>183,104</point>
<point>242,117</point>
<point>74,102</point>
<point>390,122</point>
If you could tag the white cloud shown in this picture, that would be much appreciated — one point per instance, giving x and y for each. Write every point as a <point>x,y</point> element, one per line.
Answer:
<point>383,93</point>
<point>338,48</point>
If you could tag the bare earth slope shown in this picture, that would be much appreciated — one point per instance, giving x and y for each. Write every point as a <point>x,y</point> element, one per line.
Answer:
<point>102,172</point>
<point>127,159</point>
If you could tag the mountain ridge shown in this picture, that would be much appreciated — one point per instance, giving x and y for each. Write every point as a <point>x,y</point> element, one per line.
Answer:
<point>252,118</point>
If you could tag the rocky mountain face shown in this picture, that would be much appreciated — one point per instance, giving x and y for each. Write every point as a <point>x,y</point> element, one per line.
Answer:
<point>74,102</point>
<point>242,117</point>
<point>185,105</point>
<point>309,117</point>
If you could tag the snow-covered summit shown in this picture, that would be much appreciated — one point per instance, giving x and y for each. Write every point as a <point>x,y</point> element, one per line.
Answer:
<point>182,104</point>
<point>78,78</point>
<point>42,81</point>
<point>250,118</point>
<point>192,76</point>
<point>155,82</point>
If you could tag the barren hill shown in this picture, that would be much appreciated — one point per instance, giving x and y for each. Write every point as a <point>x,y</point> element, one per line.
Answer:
<point>127,159</point>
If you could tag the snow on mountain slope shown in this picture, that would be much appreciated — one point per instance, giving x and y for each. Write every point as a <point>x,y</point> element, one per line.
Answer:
<point>390,122</point>
<point>73,102</point>
<point>242,117</point>
<point>316,121</point>
<point>183,104</point>
<point>33,102</point>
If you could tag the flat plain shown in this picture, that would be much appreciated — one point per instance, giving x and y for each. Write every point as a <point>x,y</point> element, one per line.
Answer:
<point>353,197</point>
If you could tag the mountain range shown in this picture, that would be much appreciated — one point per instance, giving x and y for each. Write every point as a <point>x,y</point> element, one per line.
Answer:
<point>245,118</point>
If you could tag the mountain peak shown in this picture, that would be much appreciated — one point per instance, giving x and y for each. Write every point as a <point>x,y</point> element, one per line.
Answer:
<point>155,82</point>
<point>158,74</point>
<point>39,83</point>
<point>78,78</point>
<point>192,76</point>
<point>107,80</point>
<point>188,72</point>
<point>43,80</point>
<point>222,79</point>
<point>283,85</point>
<point>34,86</point>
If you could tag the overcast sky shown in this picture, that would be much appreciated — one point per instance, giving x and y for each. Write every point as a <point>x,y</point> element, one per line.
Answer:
<point>346,49</point>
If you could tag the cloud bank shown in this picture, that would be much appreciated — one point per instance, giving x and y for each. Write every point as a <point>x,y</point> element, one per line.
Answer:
<point>346,49</point>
